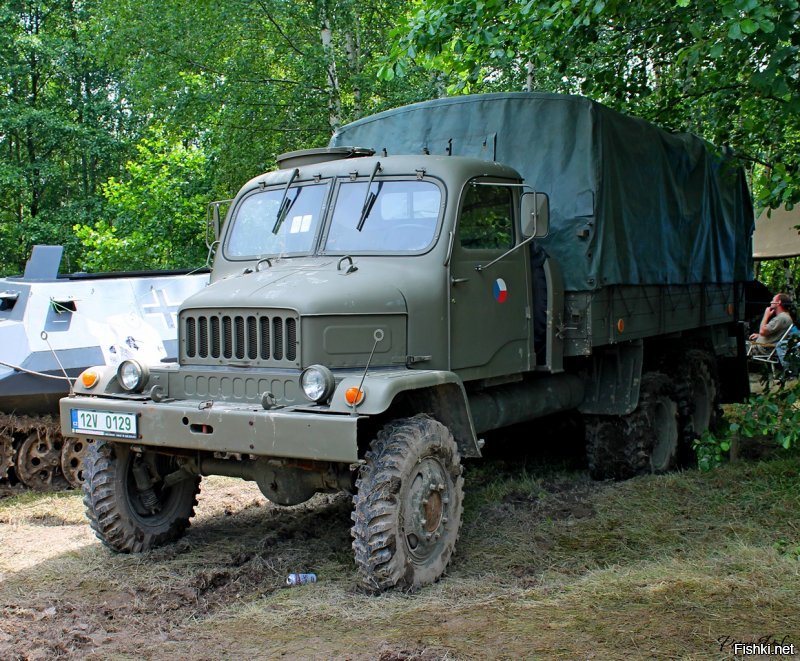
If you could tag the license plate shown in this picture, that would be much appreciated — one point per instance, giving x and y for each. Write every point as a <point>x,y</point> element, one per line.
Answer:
<point>104,423</point>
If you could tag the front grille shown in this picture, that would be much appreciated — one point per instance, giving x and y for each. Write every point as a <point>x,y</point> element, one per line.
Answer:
<point>261,338</point>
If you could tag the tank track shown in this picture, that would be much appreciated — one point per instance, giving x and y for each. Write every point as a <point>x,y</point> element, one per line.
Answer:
<point>34,455</point>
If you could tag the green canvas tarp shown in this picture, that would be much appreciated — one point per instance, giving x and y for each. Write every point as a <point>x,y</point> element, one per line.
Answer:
<point>629,203</point>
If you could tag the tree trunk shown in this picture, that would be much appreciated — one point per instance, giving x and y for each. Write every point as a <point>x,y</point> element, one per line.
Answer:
<point>353,49</point>
<point>30,141</point>
<point>334,91</point>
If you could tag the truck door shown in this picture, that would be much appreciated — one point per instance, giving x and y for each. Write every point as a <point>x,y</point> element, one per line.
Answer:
<point>490,324</point>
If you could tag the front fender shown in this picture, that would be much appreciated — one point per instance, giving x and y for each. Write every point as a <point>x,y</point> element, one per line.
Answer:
<point>382,386</point>
<point>438,393</point>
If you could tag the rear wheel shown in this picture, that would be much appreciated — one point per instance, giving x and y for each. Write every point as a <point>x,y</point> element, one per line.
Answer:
<point>605,448</point>
<point>698,378</point>
<point>408,505</point>
<point>652,430</point>
<point>644,441</point>
<point>697,393</point>
<point>129,506</point>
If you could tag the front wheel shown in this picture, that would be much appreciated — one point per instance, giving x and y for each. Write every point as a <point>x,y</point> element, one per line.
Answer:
<point>128,504</point>
<point>408,505</point>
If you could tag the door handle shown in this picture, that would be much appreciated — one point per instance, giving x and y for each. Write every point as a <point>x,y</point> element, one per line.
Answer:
<point>458,281</point>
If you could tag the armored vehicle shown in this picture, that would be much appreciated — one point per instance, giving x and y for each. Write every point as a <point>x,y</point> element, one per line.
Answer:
<point>52,327</point>
<point>471,263</point>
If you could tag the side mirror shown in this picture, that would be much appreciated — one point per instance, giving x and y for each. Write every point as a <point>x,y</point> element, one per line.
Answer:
<point>214,222</point>
<point>535,215</point>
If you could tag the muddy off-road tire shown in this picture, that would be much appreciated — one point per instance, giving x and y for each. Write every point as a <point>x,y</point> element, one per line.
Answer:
<point>408,505</point>
<point>605,447</point>
<point>117,510</point>
<point>697,387</point>
<point>645,441</point>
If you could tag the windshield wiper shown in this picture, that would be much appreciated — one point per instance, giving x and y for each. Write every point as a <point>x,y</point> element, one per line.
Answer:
<point>285,205</point>
<point>369,200</point>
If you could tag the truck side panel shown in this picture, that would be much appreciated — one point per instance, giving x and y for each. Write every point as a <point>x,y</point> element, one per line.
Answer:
<point>625,313</point>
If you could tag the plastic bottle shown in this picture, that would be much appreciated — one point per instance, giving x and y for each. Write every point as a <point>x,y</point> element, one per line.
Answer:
<point>300,579</point>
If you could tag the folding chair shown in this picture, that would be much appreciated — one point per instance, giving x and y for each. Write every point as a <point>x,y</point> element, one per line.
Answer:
<point>788,351</point>
<point>777,354</point>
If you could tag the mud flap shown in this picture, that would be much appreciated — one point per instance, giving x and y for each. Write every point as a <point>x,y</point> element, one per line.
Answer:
<point>733,376</point>
<point>612,387</point>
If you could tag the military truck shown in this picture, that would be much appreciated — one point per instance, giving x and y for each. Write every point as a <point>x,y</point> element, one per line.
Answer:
<point>436,272</point>
<point>52,327</point>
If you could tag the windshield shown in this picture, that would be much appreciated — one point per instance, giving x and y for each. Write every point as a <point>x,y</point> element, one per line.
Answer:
<point>399,216</point>
<point>252,231</point>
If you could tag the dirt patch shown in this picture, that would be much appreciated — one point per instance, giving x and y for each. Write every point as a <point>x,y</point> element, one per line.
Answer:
<point>64,594</point>
<point>549,564</point>
<point>25,546</point>
<point>401,654</point>
<point>557,500</point>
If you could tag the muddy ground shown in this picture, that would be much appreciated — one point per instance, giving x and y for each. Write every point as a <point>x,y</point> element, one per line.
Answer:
<point>549,565</point>
<point>64,595</point>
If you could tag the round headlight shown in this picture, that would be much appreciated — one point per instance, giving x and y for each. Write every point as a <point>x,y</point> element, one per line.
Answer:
<point>317,382</point>
<point>132,375</point>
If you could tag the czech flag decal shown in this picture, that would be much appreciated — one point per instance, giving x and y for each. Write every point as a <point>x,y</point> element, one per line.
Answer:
<point>500,290</point>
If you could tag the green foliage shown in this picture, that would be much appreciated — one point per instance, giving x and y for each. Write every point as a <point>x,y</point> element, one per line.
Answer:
<point>60,125</point>
<point>781,275</point>
<point>155,215</point>
<point>786,548</point>
<point>725,70</point>
<point>251,80</point>
<point>83,83</point>
<point>773,416</point>
<point>711,450</point>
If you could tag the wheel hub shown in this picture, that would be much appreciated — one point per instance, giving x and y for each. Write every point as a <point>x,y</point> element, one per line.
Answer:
<point>432,510</point>
<point>38,463</point>
<point>427,505</point>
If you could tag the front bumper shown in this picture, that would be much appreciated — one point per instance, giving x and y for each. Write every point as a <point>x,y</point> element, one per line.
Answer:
<point>228,427</point>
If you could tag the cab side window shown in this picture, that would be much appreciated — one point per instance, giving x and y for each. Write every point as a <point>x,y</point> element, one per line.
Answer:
<point>486,218</point>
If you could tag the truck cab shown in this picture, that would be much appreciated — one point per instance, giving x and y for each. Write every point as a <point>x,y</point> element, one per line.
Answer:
<point>394,244</point>
<point>346,295</point>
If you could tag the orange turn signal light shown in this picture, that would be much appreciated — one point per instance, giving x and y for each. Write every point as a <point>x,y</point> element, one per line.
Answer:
<point>89,378</point>
<point>353,396</point>
<point>620,325</point>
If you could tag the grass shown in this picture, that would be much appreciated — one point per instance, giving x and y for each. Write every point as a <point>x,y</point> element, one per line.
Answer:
<point>549,565</point>
<point>63,507</point>
<point>658,567</point>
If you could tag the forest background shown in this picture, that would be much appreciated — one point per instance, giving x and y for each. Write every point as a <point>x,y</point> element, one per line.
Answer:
<point>121,120</point>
